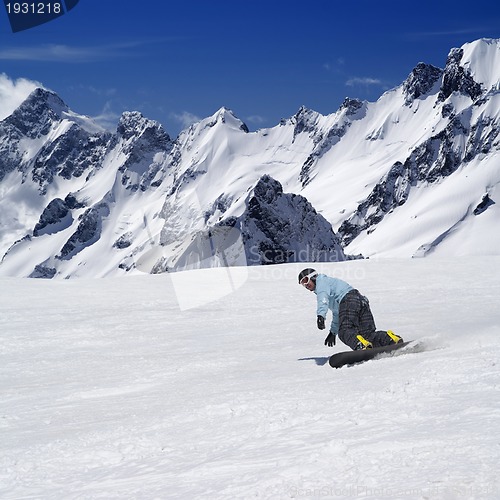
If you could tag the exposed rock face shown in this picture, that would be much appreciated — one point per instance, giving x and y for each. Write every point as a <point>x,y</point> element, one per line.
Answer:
<point>421,81</point>
<point>457,79</point>
<point>87,232</point>
<point>26,144</point>
<point>279,227</point>
<point>53,218</point>
<point>36,116</point>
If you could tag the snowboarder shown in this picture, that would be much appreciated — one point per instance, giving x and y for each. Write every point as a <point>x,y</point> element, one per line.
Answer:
<point>352,318</point>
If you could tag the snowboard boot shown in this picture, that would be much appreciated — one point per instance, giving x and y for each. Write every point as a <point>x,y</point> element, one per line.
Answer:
<point>396,339</point>
<point>363,343</point>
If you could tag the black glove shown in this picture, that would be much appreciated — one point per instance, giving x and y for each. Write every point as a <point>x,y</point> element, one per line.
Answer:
<point>330,340</point>
<point>321,322</point>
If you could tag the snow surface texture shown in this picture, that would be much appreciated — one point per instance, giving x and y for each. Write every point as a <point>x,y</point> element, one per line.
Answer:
<point>415,173</point>
<point>110,391</point>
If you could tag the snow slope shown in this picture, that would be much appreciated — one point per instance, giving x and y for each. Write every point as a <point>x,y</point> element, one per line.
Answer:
<point>109,390</point>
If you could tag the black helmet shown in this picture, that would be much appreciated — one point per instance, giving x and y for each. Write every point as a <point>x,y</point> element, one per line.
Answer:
<point>307,273</point>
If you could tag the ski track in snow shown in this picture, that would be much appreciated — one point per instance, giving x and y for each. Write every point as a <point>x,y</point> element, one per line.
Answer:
<point>110,391</point>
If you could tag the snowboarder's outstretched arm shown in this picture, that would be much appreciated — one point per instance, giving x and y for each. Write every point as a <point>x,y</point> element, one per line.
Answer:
<point>325,302</point>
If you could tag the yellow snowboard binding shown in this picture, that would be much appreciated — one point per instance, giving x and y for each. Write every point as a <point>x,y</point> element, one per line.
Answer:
<point>363,343</point>
<point>395,338</point>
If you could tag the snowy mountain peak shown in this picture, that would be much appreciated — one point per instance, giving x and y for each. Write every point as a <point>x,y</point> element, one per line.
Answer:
<point>481,59</point>
<point>351,106</point>
<point>267,189</point>
<point>280,227</point>
<point>420,81</point>
<point>46,98</point>
<point>225,116</point>
<point>44,109</point>
<point>305,120</point>
<point>134,124</point>
<point>459,78</point>
<point>37,113</point>
<point>305,115</point>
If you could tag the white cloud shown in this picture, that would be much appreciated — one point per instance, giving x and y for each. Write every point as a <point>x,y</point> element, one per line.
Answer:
<point>13,93</point>
<point>66,53</point>
<point>464,31</point>
<point>49,53</point>
<point>336,67</point>
<point>256,119</point>
<point>75,54</point>
<point>365,81</point>
<point>107,119</point>
<point>185,118</point>
<point>101,92</point>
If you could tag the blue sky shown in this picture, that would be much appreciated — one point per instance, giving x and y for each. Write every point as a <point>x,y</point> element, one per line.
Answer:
<point>180,61</point>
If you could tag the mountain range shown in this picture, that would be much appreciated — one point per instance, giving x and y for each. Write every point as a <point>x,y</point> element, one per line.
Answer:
<point>414,174</point>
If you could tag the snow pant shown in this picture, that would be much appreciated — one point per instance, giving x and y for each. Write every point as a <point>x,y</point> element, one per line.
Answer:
<point>355,318</point>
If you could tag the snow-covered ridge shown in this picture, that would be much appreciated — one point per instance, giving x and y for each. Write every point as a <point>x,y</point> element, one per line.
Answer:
<point>482,59</point>
<point>405,176</point>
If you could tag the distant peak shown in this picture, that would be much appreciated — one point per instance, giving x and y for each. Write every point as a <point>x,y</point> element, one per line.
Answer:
<point>133,123</point>
<point>304,111</point>
<point>458,77</point>
<point>224,114</point>
<point>483,42</point>
<point>223,111</point>
<point>267,189</point>
<point>481,59</point>
<point>351,105</point>
<point>420,81</point>
<point>305,120</point>
<point>227,117</point>
<point>35,116</point>
<point>41,97</point>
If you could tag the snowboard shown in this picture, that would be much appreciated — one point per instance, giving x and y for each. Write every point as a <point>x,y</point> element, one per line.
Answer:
<point>352,357</point>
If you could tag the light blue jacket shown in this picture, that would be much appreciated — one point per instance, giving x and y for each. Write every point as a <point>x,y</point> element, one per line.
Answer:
<point>330,291</point>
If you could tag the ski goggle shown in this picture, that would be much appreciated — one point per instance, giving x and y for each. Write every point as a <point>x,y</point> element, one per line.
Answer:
<point>306,279</point>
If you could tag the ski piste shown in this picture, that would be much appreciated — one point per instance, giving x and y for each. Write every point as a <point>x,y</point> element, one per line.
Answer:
<point>354,357</point>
